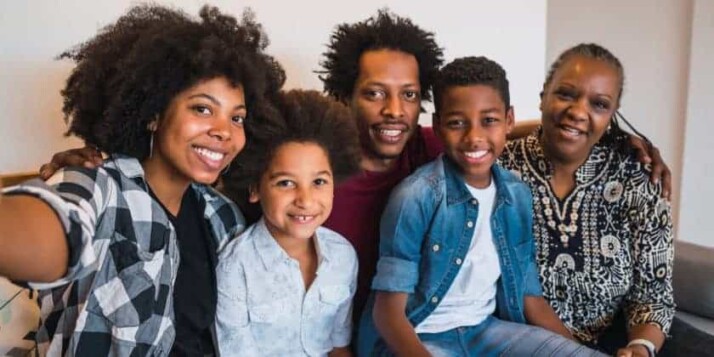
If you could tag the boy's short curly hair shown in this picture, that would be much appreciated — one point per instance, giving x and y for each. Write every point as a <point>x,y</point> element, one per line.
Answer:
<point>295,116</point>
<point>127,75</point>
<point>383,31</point>
<point>468,71</point>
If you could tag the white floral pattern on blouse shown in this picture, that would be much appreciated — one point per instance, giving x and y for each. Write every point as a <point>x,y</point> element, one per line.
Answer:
<point>608,245</point>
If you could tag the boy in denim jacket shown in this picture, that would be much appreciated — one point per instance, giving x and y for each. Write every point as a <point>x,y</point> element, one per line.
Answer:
<point>457,274</point>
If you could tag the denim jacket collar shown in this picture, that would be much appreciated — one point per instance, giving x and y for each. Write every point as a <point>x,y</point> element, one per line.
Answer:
<point>457,192</point>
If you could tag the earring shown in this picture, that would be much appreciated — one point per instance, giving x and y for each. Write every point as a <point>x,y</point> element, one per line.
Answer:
<point>152,128</point>
<point>151,145</point>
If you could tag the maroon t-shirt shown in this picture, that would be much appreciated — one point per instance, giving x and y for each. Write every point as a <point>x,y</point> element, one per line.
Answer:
<point>360,200</point>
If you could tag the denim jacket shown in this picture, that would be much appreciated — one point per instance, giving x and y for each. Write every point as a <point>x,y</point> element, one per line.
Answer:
<point>426,231</point>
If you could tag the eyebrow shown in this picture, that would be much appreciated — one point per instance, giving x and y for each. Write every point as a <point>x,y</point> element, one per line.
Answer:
<point>485,111</point>
<point>283,173</point>
<point>213,100</point>
<point>377,83</point>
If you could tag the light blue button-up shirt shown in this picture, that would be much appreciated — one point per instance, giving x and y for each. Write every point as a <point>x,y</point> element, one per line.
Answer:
<point>263,308</point>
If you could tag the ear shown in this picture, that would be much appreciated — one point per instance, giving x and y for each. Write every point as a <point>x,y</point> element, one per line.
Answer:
<point>253,195</point>
<point>510,119</point>
<point>540,103</point>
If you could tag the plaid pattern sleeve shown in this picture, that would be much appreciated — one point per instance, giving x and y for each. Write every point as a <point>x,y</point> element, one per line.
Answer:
<point>117,296</point>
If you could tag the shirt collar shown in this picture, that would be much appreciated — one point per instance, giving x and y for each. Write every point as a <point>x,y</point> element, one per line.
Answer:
<point>271,253</point>
<point>456,191</point>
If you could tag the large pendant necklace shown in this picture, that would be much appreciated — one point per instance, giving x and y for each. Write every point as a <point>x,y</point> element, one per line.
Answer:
<point>566,231</point>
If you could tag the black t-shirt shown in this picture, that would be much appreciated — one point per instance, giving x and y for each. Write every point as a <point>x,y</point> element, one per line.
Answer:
<point>195,286</point>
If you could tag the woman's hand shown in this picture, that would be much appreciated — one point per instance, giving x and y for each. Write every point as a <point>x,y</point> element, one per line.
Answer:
<point>648,154</point>
<point>632,351</point>
<point>87,156</point>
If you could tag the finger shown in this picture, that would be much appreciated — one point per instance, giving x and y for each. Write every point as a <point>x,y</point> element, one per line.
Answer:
<point>641,148</point>
<point>642,155</point>
<point>47,170</point>
<point>70,158</point>
<point>624,352</point>
<point>658,166</point>
<point>667,185</point>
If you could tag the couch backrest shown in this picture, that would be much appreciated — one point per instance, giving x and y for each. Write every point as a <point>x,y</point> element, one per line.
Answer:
<point>693,278</point>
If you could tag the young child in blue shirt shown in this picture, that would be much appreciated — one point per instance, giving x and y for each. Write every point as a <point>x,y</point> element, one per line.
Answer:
<point>285,286</point>
<point>456,274</point>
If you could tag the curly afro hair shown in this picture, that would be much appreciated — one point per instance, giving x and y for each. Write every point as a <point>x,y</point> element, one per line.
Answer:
<point>127,75</point>
<point>295,116</point>
<point>383,31</point>
<point>468,71</point>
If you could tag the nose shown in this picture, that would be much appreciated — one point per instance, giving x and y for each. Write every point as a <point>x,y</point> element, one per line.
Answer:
<point>578,110</point>
<point>221,128</point>
<point>393,108</point>
<point>474,134</point>
<point>303,197</point>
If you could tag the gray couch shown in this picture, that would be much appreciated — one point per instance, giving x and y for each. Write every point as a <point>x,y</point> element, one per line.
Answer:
<point>693,282</point>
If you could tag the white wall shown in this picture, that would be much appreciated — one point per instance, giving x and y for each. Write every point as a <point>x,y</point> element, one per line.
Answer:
<point>32,33</point>
<point>651,39</point>
<point>697,191</point>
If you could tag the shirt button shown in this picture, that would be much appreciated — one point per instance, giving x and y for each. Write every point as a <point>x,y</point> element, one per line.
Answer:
<point>458,261</point>
<point>435,247</point>
<point>469,224</point>
<point>434,300</point>
<point>474,202</point>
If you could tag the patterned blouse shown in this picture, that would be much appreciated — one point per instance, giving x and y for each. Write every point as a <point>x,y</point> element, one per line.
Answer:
<point>607,245</point>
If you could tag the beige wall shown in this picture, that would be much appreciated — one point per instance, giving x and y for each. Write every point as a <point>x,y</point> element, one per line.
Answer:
<point>652,39</point>
<point>33,32</point>
<point>697,190</point>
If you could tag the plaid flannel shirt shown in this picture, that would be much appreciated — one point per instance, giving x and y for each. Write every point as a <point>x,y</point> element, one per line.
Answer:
<point>117,296</point>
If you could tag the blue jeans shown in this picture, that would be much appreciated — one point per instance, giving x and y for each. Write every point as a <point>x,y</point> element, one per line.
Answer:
<point>495,337</point>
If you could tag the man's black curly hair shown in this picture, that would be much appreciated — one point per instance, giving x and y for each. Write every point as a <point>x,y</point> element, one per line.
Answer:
<point>127,75</point>
<point>469,71</point>
<point>296,116</point>
<point>383,31</point>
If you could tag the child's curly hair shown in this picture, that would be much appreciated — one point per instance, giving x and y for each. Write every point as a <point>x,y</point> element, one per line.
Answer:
<point>127,75</point>
<point>383,31</point>
<point>295,116</point>
<point>303,116</point>
<point>471,71</point>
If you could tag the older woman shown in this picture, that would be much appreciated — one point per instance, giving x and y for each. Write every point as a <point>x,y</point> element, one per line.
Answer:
<point>603,232</point>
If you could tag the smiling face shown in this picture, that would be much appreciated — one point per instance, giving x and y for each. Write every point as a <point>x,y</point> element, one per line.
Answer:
<point>473,123</point>
<point>577,106</point>
<point>296,191</point>
<point>199,134</point>
<point>386,102</point>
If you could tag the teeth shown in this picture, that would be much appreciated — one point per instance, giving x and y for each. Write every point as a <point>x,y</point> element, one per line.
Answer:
<point>476,154</point>
<point>215,156</point>
<point>390,132</point>
<point>571,130</point>
<point>303,219</point>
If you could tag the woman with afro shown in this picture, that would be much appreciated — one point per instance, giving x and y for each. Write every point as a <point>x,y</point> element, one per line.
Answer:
<point>127,250</point>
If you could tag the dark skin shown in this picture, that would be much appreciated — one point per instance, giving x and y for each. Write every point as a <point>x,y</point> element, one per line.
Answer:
<point>90,157</point>
<point>577,106</point>
<point>30,231</point>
